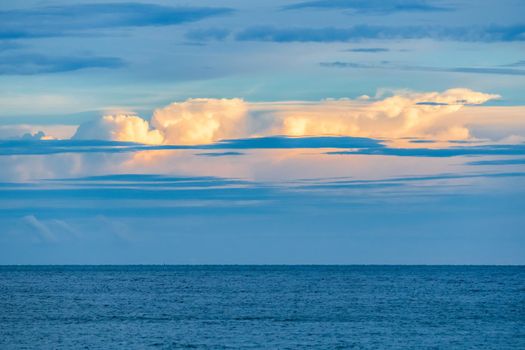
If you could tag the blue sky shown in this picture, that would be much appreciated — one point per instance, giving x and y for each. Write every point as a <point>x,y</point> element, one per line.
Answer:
<point>94,56</point>
<point>344,131</point>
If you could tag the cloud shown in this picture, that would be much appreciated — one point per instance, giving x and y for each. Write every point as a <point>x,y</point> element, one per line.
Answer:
<point>220,154</point>
<point>204,121</point>
<point>490,33</point>
<point>119,128</point>
<point>306,142</point>
<point>35,132</point>
<point>368,49</point>
<point>490,150</point>
<point>192,122</point>
<point>77,145</point>
<point>406,180</point>
<point>30,64</point>
<point>344,145</point>
<point>41,230</point>
<point>153,195</point>
<point>9,45</point>
<point>370,6</point>
<point>147,181</point>
<point>211,193</point>
<point>473,70</point>
<point>402,115</point>
<point>519,161</point>
<point>35,136</point>
<point>199,120</point>
<point>426,103</point>
<point>75,19</point>
<point>515,64</point>
<point>15,131</point>
<point>207,34</point>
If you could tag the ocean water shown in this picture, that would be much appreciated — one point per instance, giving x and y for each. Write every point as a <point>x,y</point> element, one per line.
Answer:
<point>255,307</point>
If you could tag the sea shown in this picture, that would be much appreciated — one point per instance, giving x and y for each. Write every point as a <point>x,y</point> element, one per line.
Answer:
<point>262,307</point>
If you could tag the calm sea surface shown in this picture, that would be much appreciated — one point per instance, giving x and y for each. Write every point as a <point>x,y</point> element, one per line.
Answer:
<point>275,307</point>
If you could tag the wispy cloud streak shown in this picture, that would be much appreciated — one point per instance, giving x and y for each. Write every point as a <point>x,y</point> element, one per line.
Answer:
<point>490,33</point>
<point>30,64</point>
<point>370,6</point>
<point>62,20</point>
<point>471,70</point>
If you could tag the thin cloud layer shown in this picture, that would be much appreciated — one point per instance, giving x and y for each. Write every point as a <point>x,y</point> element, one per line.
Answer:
<point>62,20</point>
<point>30,64</point>
<point>373,6</point>
<point>386,66</point>
<point>489,33</point>
<point>204,121</point>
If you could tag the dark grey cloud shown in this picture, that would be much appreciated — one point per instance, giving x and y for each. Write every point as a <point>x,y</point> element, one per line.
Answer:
<point>74,19</point>
<point>30,64</point>
<point>370,6</point>
<point>490,33</point>
<point>474,70</point>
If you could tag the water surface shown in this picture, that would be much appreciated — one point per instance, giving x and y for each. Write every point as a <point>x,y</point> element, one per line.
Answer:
<point>279,307</point>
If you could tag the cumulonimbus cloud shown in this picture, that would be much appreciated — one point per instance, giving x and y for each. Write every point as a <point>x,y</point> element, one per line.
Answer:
<point>402,115</point>
<point>202,121</point>
<point>194,121</point>
<point>119,127</point>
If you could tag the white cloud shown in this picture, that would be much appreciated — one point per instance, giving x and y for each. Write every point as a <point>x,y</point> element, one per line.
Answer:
<point>41,230</point>
<point>402,115</point>
<point>195,121</point>
<point>201,121</point>
<point>119,128</point>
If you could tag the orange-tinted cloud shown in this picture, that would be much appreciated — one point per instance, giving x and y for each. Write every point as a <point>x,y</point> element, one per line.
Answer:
<point>433,115</point>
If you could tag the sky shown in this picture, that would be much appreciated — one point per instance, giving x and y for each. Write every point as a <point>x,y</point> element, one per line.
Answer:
<point>262,132</point>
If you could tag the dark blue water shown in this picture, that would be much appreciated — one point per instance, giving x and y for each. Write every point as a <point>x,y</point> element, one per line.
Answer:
<point>276,307</point>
